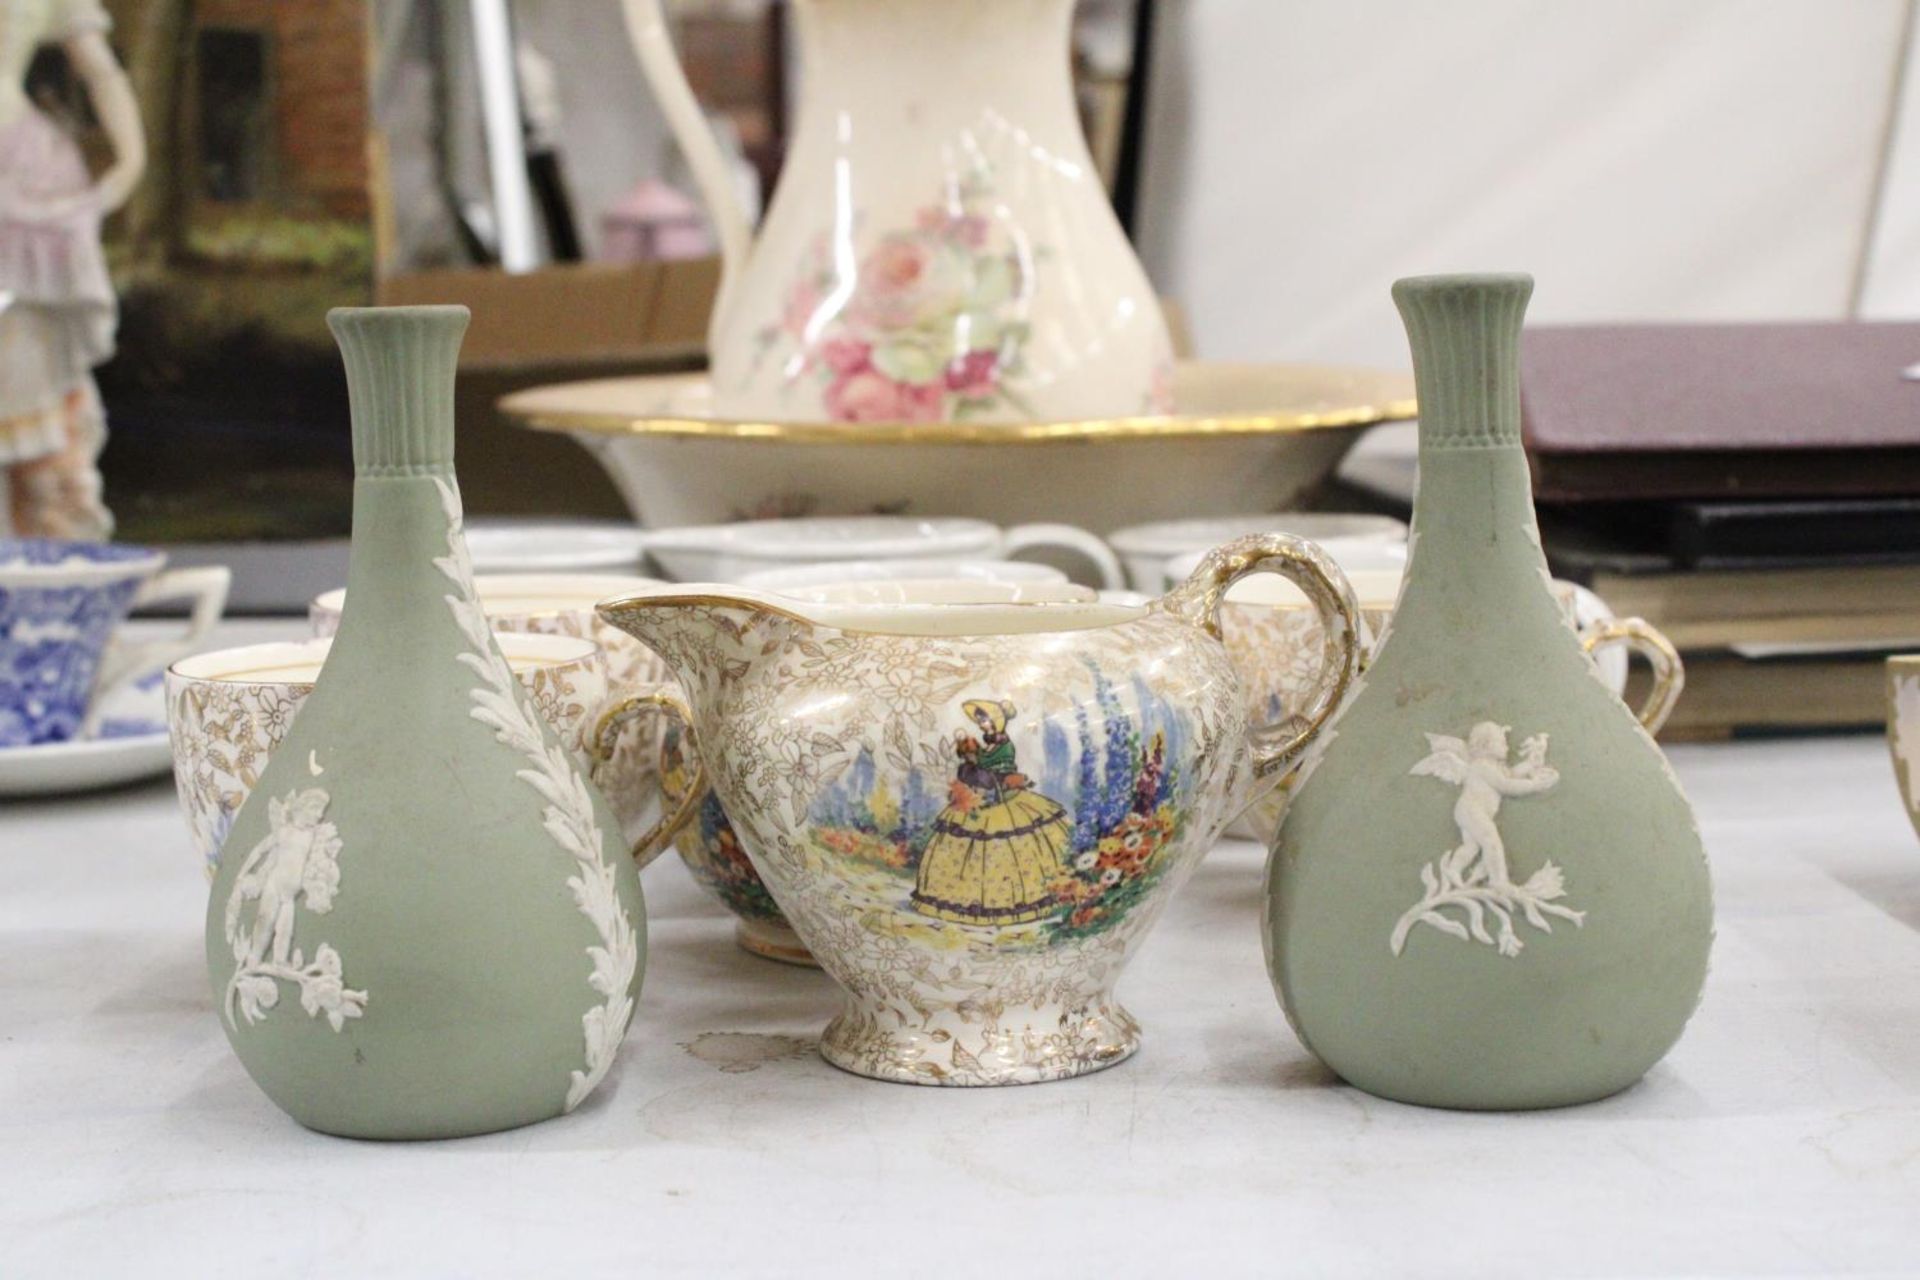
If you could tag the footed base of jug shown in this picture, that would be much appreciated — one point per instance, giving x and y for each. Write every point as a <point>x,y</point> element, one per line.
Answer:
<point>1028,1044</point>
<point>774,941</point>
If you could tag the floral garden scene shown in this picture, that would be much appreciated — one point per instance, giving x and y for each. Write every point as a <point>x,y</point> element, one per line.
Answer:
<point>1060,853</point>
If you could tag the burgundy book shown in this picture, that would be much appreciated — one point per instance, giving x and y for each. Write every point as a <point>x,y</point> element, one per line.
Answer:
<point>1633,412</point>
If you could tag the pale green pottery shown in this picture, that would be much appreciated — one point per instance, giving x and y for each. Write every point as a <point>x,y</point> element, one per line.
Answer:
<point>425,923</point>
<point>1488,891</point>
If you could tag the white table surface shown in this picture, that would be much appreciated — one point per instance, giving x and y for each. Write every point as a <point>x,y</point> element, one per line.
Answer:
<point>1781,1137</point>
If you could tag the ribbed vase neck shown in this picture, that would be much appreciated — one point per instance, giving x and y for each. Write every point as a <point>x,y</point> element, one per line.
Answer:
<point>401,363</point>
<point>1465,335</point>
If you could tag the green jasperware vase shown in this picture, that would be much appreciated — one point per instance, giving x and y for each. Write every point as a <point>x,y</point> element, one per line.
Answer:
<point>1488,891</point>
<point>424,923</point>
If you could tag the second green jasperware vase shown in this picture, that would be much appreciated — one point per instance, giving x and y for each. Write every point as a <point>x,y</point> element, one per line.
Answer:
<point>1488,891</point>
<point>425,923</point>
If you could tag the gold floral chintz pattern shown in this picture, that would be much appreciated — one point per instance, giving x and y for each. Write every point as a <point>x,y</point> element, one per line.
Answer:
<point>223,731</point>
<point>970,834</point>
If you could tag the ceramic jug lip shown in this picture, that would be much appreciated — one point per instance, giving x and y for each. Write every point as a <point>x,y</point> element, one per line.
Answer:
<point>815,538</point>
<point>46,562</point>
<point>942,621</point>
<point>938,590</point>
<point>297,663</point>
<point>843,573</point>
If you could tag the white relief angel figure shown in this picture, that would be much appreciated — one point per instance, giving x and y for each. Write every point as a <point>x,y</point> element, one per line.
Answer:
<point>294,864</point>
<point>295,858</point>
<point>1480,768</point>
<point>1475,876</point>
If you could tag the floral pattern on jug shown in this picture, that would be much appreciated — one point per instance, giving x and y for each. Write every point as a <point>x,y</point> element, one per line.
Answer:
<point>972,828</point>
<point>929,327</point>
<point>709,845</point>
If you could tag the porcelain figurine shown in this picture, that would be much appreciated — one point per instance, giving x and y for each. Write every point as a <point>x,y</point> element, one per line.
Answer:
<point>1488,891</point>
<point>424,923</point>
<point>939,246</point>
<point>971,814</point>
<point>57,309</point>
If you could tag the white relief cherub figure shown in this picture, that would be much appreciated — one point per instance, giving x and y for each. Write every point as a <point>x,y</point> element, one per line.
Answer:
<point>295,858</point>
<point>1480,768</point>
<point>294,864</point>
<point>1475,876</point>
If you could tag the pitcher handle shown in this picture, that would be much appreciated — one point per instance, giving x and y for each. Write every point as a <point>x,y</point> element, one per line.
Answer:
<point>653,46</point>
<point>1278,746</point>
<point>129,660</point>
<point>1071,538</point>
<point>1645,639</point>
<point>606,731</point>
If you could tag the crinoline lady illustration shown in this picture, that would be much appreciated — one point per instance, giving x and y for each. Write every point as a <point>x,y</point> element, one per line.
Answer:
<point>57,309</point>
<point>1000,845</point>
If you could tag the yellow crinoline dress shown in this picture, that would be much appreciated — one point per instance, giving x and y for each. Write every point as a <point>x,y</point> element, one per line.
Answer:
<point>996,851</point>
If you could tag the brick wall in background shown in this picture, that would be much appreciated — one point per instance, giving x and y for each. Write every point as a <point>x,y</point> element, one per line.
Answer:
<point>317,51</point>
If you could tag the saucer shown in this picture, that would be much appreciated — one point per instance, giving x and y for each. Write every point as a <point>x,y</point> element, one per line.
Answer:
<point>519,545</point>
<point>130,744</point>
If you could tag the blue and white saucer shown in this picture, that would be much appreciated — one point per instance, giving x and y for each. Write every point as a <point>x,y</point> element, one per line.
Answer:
<point>129,744</point>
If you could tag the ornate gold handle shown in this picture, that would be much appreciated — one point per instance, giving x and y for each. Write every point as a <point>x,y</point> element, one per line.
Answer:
<point>1278,746</point>
<point>606,731</point>
<point>1645,639</point>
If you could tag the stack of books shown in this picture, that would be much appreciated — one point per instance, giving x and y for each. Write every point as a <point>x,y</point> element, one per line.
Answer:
<point>1751,490</point>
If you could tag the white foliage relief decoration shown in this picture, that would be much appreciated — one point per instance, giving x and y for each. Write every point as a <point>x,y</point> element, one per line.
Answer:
<point>295,864</point>
<point>569,816</point>
<point>1475,878</point>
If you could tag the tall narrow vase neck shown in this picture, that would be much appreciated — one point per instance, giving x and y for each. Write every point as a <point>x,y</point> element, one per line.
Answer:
<point>1465,335</point>
<point>400,364</point>
<point>1474,513</point>
<point>407,552</point>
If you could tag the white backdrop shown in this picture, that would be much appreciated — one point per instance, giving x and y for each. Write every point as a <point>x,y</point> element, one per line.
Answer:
<point>1645,159</point>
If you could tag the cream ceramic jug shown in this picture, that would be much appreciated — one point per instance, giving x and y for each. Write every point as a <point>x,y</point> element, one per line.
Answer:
<point>939,246</point>
<point>971,814</point>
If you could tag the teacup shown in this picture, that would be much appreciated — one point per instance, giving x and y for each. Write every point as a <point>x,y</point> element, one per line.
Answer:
<point>228,710</point>
<point>561,604</point>
<point>61,604</point>
<point>730,552</point>
<point>1274,640</point>
<point>1147,550</point>
<point>971,814</point>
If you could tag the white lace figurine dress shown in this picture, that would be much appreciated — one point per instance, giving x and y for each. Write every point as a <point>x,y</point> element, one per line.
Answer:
<point>57,309</point>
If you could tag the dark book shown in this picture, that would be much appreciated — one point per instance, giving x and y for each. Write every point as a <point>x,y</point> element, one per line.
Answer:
<point>1640,412</point>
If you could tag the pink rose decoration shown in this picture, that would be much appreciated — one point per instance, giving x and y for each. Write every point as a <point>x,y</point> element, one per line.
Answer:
<point>974,374</point>
<point>846,355</point>
<point>867,396</point>
<point>904,280</point>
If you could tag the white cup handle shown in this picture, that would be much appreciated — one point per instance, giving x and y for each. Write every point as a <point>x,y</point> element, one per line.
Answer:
<point>126,660</point>
<point>1067,537</point>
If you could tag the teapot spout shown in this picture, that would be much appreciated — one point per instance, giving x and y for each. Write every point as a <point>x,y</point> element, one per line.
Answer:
<point>705,634</point>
